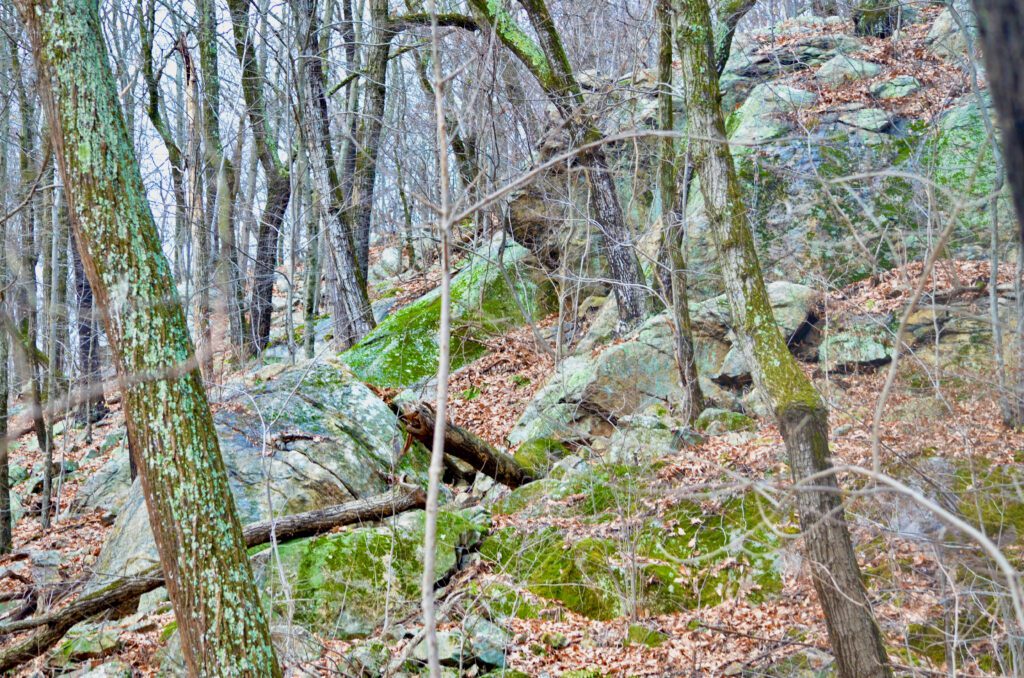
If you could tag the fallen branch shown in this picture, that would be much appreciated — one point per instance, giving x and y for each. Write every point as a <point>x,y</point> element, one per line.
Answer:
<point>419,420</point>
<point>124,591</point>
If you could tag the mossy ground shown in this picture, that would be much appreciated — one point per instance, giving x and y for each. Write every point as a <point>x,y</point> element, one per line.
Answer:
<point>694,555</point>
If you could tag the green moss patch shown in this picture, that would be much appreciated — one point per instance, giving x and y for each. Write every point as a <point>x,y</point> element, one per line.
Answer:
<point>343,585</point>
<point>403,349</point>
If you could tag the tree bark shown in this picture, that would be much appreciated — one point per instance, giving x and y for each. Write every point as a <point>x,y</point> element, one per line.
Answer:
<point>420,421</point>
<point>26,290</point>
<point>1001,29</point>
<point>547,62</point>
<point>672,261</point>
<point>127,591</point>
<point>802,416</point>
<point>223,628</point>
<point>277,175</point>
<point>315,125</point>
<point>93,406</point>
<point>5,356</point>
<point>198,225</point>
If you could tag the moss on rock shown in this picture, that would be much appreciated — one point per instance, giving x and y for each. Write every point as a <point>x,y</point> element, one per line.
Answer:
<point>343,585</point>
<point>403,349</point>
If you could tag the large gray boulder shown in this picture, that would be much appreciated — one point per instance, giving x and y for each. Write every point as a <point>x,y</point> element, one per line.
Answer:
<point>611,381</point>
<point>293,439</point>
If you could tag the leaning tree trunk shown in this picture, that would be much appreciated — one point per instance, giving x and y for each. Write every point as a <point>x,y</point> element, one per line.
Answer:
<point>1001,28</point>
<point>801,415</point>
<point>223,628</point>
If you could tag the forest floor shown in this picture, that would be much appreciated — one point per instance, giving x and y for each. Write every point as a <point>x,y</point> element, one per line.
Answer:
<point>718,640</point>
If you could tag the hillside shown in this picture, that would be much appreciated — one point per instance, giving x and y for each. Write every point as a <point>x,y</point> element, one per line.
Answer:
<point>642,545</point>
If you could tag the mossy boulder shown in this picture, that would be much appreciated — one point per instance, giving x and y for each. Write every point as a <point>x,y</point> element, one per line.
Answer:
<point>538,455</point>
<point>895,88</point>
<point>716,421</point>
<point>696,556</point>
<point>344,585</point>
<point>87,641</point>
<point>402,350</point>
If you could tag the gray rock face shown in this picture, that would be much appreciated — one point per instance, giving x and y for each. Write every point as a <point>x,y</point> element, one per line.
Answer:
<point>946,39</point>
<point>110,487</point>
<point>900,86</point>
<point>299,439</point>
<point>869,119</point>
<point>861,342</point>
<point>640,372</point>
<point>842,68</point>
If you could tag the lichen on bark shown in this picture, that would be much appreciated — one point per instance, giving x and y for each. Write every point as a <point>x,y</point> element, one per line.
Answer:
<point>224,629</point>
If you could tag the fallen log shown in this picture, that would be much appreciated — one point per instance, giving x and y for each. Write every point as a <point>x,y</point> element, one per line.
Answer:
<point>419,420</point>
<point>124,591</point>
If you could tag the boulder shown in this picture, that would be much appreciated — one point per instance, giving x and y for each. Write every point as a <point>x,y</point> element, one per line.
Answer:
<point>895,88</point>
<point>945,37</point>
<point>109,488</point>
<point>868,119</point>
<point>842,68</point>
<point>863,342</point>
<point>597,385</point>
<point>402,350</point>
<point>293,439</point>
<point>345,585</point>
<point>87,641</point>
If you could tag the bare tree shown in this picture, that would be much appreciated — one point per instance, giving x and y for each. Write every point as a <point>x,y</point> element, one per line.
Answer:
<point>548,63</point>
<point>1001,27</point>
<point>801,414</point>
<point>222,624</point>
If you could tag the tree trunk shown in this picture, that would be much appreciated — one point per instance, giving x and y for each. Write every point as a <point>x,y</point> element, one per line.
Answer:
<point>5,355</point>
<point>147,24</point>
<point>1001,29</point>
<point>672,261</point>
<point>324,175</point>
<point>223,628</point>
<point>801,415</point>
<point>311,305</point>
<point>550,66</point>
<point>26,290</point>
<point>420,421</point>
<point>198,226</point>
<point>279,185</point>
<point>93,407</point>
<point>372,123</point>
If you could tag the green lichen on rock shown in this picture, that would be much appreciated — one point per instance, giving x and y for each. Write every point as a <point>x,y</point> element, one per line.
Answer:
<point>692,558</point>
<point>85,642</point>
<point>859,345</point>
<point>700,557</point>
<point>638,634</point>
<point>577,575</point>
<point>716,421</point>
<point>343,585</point>
<point>537,455</point>
<point>403,349</point>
